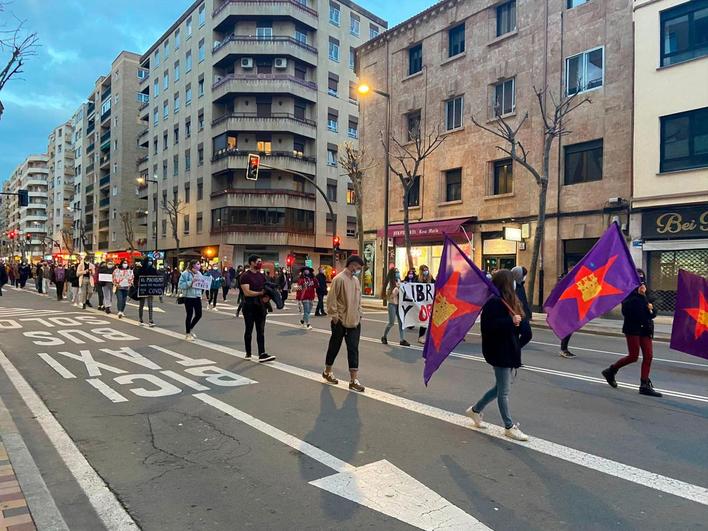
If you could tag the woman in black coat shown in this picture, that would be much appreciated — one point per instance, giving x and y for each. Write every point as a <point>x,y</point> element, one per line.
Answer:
<point>638,329</point>
<point>505,331</point>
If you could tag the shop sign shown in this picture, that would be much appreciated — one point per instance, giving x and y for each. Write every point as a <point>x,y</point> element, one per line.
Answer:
<point>512,234</point>
<point>680,222</point>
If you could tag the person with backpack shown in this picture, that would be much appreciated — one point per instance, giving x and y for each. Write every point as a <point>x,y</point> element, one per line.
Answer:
<point>122,282</point>
<point>58,276</point>
<point>216,281</point>
<point>505,331</point>
<point>638,329</point>
<point>306,288</point>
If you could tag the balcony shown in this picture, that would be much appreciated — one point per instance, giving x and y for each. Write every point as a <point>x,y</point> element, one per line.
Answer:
<point>105,161</point>
<point>102,245</point>
<point>104,202</point>
<point>90,168</point>
<point>142,160</point>
<point>90,148</point>
<point>90,128</point>
<point>144,138</point>
<point>143,75</point>
<point>264,84</point>
<point>283,160</point>
<point>89,188</point>
<point>225,15</point>
<point>281,45</point>
<point>103,224</point>
<point>105,116</point>
<point>104,181</point>
<point>105,93</point>
<point>276,123</point>
<point>249,197</point>
<point>91,108</point>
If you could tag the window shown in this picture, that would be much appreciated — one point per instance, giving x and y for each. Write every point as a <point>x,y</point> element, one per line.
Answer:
<point>334,49</point>
<point>200,120</point>
<point>188,95</point>
<point>456,40</point>
<point>156,88</point>
<point>264,31</point>
<point>414,193</point>
<point>186,224</point>
<point>415,59</point>
<point>187,193</point>
<point>164,169</point>
<point>157,57</point>
<point>506,18</point>
<point>177,40</point>
<point>164,141</point>
<point>353,128</point>
<point>300,36</point>
<point>202,15</point>
<point>201,51</point>
<point>167,48</point>
<point>298,147</point>
<point>684,32</point>
<point>176,103</point>
<point>332,190</point>
<point>176,70</point>
<point>453,113</point>
<point>575,3</point>
<point>188,128</point>
<point>188,61</point>
<point>187,167</point>
<point>175,165</point>
<point>331,223</point>
<point>351,226</point>
<point>164,228</point>
<point>684,140</point>
<point>165,109</point>
<point>155,116</point>
<point>583,162</point>
<point>334,13</point>
<point>200,155</point>
<point>502,178</point>
<point>453,185</point>
<point>585,71</point>
<point>189,27</point>
<point>352,58</point>
<point>331,157</point>
<point>413,125</point>
<point>373,31</point>
<point>200,191</point>
<point>504,98</point>
<point>333,84</point>
<point>155,147</point>
<point>200,222</point>
<point>175,135</point>
<point>200,86</point>
<point>354,25</point>
<point>165,80</point>
<point>351,195</point>
<point>264,144</point>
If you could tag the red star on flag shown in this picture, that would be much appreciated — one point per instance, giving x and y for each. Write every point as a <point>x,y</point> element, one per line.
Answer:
<point>588,286</point>
<point>700,315</point>
<point>447,307</point>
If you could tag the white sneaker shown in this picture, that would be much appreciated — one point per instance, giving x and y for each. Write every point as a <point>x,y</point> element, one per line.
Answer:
<point>515,433</point>
<point>476,418</point>
<point>214,308</point>
<point>208,307</point>
<point>188,337</point>
<point>194,336</point>
<point>308,326</point>
<point>421,340</point>
<point>120,315</point>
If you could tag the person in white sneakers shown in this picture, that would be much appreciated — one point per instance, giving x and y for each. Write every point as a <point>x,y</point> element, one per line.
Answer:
<point>505,331</point>
<point>122,280</point>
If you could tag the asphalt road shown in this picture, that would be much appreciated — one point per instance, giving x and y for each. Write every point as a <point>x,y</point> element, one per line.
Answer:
<point>132,426</point>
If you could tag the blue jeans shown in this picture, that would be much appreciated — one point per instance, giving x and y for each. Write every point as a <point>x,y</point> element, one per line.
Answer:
<point>306,310</point>
<point>501,392</point>
<point>122,297</point>
<point>392,318</point>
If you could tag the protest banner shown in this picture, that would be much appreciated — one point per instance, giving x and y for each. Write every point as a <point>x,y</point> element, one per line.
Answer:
<point>415,303</point>
<point>201,282</point>
<point>151,285</point>
<point>105,277</point>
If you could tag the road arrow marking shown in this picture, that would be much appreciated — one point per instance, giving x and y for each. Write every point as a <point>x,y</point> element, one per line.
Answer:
<point>379,486</point>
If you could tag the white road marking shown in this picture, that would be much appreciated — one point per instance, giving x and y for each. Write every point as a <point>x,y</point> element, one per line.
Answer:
<point>105,390</point>
<point>104,502</point>
<point>380,486</point>
<point>54,364</point>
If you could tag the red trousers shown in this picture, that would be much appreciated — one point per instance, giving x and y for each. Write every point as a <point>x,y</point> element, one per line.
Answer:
<point>634,343</point>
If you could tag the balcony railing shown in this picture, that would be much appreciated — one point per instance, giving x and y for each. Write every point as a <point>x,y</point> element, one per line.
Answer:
<point>91,127</point>
<point>105,93</point>
<point>104,202</point>
<point>272,191</point>
<point>105,136</point>
<point>90,148</point>
<point>104,181</point>
<point>142,98</point>
<point>256,116</point>
<point>105,115</point>
<point>264,77</point>
<point>239,153</point>
<point>104,160</point>
<point>142,160</point>
<point>89,188</point>
<point>260,3</point>
<point>273,39</point>
<point>104,224</point>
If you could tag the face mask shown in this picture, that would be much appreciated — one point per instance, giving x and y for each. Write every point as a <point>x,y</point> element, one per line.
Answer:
<point>215,268</point>
<point>514,282</point>
<point>357,273</point>
<point>110,264</point>
<point>397,276</point>
<point>149,264</point>
<point>307,273</point>
<point>426,273</point>
<point>124,266</point>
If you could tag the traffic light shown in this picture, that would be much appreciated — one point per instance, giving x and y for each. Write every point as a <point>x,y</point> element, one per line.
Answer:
<point>336,242</point>
<point>254,161</point>
<point>23,197</point>
<point>289,260</point>
<point>11,234</point>
<point>28,237</point>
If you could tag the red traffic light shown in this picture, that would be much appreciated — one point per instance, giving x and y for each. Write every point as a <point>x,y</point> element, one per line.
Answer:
<point>28,237</point>
<point>254,162</point>
<point>11,234</point>
<point>290,260</point>
<point>336,242</point>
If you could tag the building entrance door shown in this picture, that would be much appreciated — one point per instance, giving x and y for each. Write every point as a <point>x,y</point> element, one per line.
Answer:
<point>492,263</point>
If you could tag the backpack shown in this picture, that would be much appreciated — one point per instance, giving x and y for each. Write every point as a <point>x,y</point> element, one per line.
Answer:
<point>59,274</point>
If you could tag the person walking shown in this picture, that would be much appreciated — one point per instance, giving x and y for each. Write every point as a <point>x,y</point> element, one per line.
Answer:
<point>58,276</point>
<point>39,277</point>
<point>174,280</point>
<point>638,329</point>
<point>424,277</point>
<point>106,287</point>
<point>122,281</point>
<point>25,272</point>
<point>252,283</point>
<point>306,289</point>
<point>148,268</point>
<point>192,298</point>
<point>321,292</point>
<point>85,272</point>
<point>216,281</point>
<point>505,331</point>
<point>283,283</point>
<point>344,308</point>
<point>227,274</point>
<point>519,273</point>
<point>3,276</point>
<point>46,266</point>
<point>393,293</point>
<point>240,298</point>
<point>73,279</point>
<point>97,287</point>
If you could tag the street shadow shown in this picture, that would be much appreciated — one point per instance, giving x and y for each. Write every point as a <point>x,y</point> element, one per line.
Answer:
<point>340,428</point>
<point>404,354</point>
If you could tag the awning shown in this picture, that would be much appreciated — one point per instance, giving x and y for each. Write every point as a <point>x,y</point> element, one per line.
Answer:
<point>428,229</point>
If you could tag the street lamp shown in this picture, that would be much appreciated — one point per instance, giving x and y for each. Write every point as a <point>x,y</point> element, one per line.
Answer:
<point>143,181</point>
<point>77,208</point>
<point>364,89</point>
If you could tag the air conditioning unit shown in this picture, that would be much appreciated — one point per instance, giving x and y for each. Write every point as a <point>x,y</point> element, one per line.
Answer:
<point>281,62</point>
<point>247,62</point>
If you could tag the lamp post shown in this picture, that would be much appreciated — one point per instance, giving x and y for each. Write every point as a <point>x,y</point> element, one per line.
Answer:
<point>77,208</point>
<point>365,89</point>
<point>143,181</point>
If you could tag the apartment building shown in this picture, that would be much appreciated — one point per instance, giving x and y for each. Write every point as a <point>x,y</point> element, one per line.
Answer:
<point>110,156</point>
<point>469,58</point>
<point>78,125</point>
<point>60,185</point>
<point>670,203</point>
<point>29,223</point>
<point>229,78</point>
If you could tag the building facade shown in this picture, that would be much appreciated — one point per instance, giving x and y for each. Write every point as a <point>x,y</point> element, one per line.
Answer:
<point>60,186</point>
<point>670,203</point>
<point>471,58</point>
<point>274,78</point>
<point>78,125</point>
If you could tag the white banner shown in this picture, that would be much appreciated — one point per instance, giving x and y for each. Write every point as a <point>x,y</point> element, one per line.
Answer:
<point>415,304</point>
<point>105,277</point>
<point>201,282</point>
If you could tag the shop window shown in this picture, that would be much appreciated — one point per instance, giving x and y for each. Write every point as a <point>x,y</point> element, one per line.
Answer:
<point>663,274</point>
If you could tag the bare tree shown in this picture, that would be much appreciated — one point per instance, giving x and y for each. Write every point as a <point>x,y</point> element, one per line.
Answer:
<point>16,46</point>
<point>174,209</point>
<point>356,164</point>
<point>405,159</point>
<point>554,126</point>
<point>67,237</point>
<point>126,220</point>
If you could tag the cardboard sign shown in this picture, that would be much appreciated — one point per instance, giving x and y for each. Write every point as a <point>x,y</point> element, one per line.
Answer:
<point>415,303</point>
<point>201,282</point>
<point>105,277</point>
<point>151,285</point>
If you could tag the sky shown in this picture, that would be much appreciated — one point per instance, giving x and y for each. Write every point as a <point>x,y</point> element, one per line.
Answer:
<point>79,39</point>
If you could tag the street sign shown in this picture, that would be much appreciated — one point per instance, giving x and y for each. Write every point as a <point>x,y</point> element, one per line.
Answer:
<point>308,263</point>
<point>151,285</point>
<point>156,255</point>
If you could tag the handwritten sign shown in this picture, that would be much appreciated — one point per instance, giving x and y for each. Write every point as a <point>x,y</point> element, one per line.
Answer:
<point>201,282</point>
<point>151,285</point>
<point>415,303</point>
<point>105,277</point>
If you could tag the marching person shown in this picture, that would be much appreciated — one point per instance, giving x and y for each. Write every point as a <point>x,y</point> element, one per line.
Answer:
<point>106,288</point>
<point>122,281</point>
<point>344,308</point>
<point>226,284</point>
<point>252,282</point>
<point>564,351</point>
<point>239,299</point>
<point>283,283</point>
<point>638,329</point>
<point>174,280</point>
<point>86,282</point>
<point>393,290</point>
<point>520,273</point>
<point>73,279</point>
<point>505,331</point>
<point>58,276</point>
<point>192,298</point>
<point>321,292</point>
<point>216,280</point>
<point>25,272</point>
<point>3,277</point>
<point>39,277</point>
<point>424,277</point>
<point>12,274</point>
<point>148,268</point>
<point>97,285</point>
<point>306,288</point>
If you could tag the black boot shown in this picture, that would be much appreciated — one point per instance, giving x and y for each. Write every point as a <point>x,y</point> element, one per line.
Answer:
<point>646,388</point>
<point>609,375</point>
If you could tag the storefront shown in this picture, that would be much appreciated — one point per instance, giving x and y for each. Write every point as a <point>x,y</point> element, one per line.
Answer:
<point>673,238</point>
<point>497,253</point>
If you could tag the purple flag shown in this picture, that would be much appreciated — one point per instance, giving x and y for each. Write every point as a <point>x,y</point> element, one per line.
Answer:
<point>461,290</point>
<point>598,283</point>
<point>689,333</point>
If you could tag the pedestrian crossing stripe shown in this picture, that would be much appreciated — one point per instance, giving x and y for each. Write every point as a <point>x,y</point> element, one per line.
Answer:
<point>15,312</point>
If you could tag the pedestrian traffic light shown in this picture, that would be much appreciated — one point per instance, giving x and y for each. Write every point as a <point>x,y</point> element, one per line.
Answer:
<point>289,260</point>
<point>23,197</point>
<point>254,161</point>
<point>11,234</point>
<point>28,237</point>
<point>336,242</point>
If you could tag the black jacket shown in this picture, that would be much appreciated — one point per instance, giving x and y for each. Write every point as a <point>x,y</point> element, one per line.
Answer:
<point>72,277</point>
<point>638,318</point>
<point>321,284</point>
<point>501,340</point>
<point>105,270</point>
<point>3,275</point>
<point>521,294</point>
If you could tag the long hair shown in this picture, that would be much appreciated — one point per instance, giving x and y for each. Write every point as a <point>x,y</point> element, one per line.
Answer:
<point>390,282</point>
<point>422,278</point>
<point>504,282</point>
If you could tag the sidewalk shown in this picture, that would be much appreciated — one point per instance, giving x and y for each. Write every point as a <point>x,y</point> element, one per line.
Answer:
<point>600,326</point>
<point>14,513</point>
